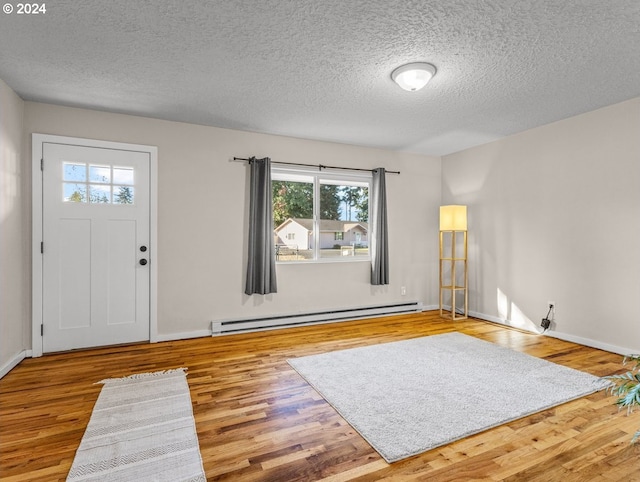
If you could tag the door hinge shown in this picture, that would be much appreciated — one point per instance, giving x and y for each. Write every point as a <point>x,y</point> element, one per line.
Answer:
<point>41,247</point>
<point>42,329</point>
<point>42,164</point>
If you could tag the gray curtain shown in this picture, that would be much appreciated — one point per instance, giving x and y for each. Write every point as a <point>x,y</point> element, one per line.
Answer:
<point>261,259</point>
<point>379,243</point>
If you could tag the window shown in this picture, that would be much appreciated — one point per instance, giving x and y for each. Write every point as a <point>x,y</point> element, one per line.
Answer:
<point>89,183</point>
<point>327,214</point>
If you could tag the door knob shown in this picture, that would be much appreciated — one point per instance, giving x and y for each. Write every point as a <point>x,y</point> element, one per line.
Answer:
<point>143,262</point>
<point>143,248</point>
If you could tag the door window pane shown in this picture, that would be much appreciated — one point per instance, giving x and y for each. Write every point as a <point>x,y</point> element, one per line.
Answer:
<point>96,184</point>
<point>100,174</point>
<point>74,172</point>
<point>123,175</point>
<point>99,194</point>
<point>123,194</point>
<point>74,192</point>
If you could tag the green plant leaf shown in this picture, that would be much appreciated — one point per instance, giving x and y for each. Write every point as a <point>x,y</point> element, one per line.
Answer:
<point>626,386</point>
<point>632,358</point>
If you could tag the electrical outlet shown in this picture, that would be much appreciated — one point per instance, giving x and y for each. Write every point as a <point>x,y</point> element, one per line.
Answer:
<point>546,321</point>
<point>403,290</point>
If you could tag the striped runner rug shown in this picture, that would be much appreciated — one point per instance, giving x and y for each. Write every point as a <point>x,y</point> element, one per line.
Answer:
<point>142,428</point>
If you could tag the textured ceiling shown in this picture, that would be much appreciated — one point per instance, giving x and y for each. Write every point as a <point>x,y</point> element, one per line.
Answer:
<point>321,69</point>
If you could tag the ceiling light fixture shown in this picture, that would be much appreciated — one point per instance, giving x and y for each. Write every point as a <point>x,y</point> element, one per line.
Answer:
<point>413,76</point>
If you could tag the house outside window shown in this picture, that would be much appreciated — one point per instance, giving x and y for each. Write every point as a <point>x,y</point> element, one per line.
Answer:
<point>320,216</point>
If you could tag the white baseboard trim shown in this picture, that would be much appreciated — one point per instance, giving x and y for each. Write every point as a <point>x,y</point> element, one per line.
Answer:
<point>561,336</point>
<point>182,336</point>
<point>431,307</point>
<point>11,364</point>
<point>592,343</point>
<point>501,321</point>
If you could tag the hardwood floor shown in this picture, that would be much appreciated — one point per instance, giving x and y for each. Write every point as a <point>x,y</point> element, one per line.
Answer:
<point>258,420</point>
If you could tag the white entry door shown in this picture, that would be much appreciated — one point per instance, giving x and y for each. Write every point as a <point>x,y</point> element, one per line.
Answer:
<point>95,246</point>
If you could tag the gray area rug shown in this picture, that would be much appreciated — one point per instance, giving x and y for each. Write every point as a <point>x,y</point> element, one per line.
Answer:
<point>411,396</point>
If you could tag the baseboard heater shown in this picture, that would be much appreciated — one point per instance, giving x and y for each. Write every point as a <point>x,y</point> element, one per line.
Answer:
<point>280,321</point>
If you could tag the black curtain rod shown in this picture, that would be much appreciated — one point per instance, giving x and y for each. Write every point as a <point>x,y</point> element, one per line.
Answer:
<point>319,166</point>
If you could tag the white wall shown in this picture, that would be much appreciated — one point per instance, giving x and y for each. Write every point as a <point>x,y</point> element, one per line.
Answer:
<point>14,291</point>
<point>202,200</point>
<point>554,215</point>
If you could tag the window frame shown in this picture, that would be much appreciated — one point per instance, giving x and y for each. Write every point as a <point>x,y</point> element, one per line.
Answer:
<point>315,176</point>
<point>89,183</point>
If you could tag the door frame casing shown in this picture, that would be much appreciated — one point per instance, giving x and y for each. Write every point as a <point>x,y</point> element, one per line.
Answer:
<point>37,141</point>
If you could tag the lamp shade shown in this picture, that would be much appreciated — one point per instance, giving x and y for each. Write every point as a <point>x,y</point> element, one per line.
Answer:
<point>453,218</point>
